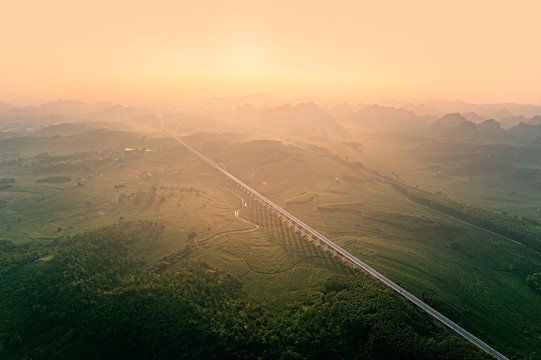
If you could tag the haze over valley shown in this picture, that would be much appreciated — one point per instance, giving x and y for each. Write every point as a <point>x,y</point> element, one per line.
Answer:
<point>270,180</point>
<point>444,206</point>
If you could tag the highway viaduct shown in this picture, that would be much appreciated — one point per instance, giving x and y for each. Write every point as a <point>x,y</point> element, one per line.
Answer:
<point>324,243</point>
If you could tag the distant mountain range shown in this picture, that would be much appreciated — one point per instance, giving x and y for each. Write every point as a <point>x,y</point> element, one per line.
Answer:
<point>385,118</point>
<point>32,118</point>
<point>496,111</point>
<point>67,108</point>
<point>505,120</point>
<point>303,116</point>
<point>456,126</point>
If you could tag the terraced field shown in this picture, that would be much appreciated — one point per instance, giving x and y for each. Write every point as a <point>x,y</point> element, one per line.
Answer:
<point>475,278</point>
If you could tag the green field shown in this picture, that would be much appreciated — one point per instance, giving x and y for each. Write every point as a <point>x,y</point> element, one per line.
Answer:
<point>490,174</point>
<point>475,278</point>
<point>168,185</point>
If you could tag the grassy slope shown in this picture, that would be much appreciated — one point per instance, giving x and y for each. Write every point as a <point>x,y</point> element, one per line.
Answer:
<point>167,185</point>
<point>483,173</point>
<point>475,278</point>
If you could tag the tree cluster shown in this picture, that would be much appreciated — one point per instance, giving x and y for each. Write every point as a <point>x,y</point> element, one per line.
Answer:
<point>55,179</point>
<point>92,294</point>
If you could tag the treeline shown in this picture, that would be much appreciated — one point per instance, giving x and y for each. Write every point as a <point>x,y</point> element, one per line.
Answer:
<point>524,230</point>
<point>54,179</point>
<point>92,294</point>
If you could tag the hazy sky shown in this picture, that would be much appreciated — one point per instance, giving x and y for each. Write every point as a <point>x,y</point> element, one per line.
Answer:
<point>121,50</point>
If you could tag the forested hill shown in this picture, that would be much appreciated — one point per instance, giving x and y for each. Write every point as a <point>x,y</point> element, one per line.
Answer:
<point>92,297</point>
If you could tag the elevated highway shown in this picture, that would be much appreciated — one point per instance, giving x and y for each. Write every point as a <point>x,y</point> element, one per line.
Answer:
<point>323,242</point>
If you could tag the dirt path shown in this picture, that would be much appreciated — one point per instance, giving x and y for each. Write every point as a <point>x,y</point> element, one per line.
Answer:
<point>254,227</point>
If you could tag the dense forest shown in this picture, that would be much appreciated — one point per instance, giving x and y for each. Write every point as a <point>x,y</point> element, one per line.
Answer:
<point>91,296</point>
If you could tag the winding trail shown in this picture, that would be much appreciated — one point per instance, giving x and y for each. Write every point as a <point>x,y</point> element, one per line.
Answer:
<point>237,215</point>
<point>190,212</point>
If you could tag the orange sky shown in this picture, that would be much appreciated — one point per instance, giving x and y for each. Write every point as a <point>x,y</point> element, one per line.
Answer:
<point>480,51</point>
